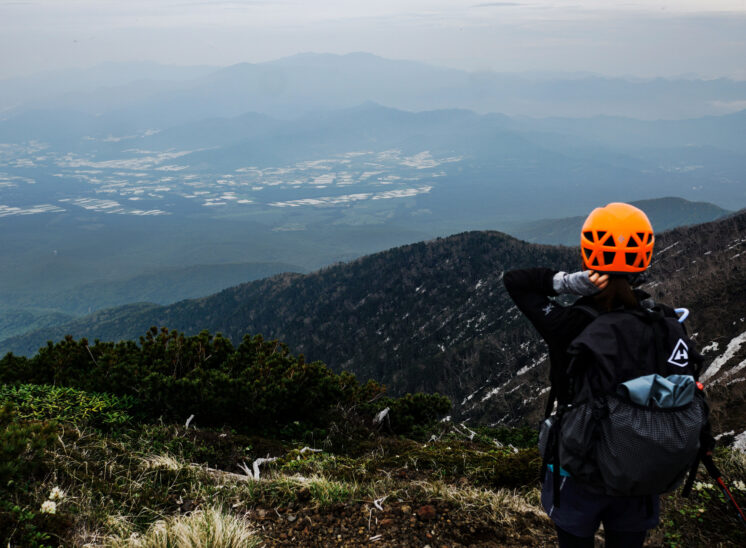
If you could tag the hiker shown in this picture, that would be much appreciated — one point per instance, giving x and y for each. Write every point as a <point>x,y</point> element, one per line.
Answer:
<point>616,245</point>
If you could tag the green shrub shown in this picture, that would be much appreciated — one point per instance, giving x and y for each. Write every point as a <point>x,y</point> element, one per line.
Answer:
<point>21,527</point>
<point>413,414</point>
<point>257,387</point>
<point>522,437</point>
<point>44,402</point>
<point>19,369</point>
<point>22,444</point>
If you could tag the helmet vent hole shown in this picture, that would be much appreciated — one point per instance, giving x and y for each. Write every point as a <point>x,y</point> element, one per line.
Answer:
<point>630,259</point>
<point>633,243</point>
<point>601,235</point>
<point>588,235</point>
<point>609,257</point>
<point>587,253</point>
<point>609,241</point>
<point>594,262</point>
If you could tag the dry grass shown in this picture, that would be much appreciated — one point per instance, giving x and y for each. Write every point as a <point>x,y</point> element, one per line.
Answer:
<point>502,506</point>
<point>210,527</point>
<point>733,463</point>
<point>166,462</point>
<point>130,493</point>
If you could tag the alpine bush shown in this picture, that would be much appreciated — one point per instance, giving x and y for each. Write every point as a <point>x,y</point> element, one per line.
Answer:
<point>256,387</point>
<point>413,414</point>
<point>22,444</point>
<point>64,404</point>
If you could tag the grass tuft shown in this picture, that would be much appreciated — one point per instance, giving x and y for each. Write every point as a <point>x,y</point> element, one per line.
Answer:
<point>166,462</point>
<point>501,506</point>
<point>211,527</point>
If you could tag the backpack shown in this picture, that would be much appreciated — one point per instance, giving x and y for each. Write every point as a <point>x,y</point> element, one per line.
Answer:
<point>637,415</point>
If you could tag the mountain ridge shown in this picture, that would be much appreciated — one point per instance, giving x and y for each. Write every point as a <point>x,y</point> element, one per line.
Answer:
<point>433,316</point>
<point>272,85</point>
<point>664,213</point>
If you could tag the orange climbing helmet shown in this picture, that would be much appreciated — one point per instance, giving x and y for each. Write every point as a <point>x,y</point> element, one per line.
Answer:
<point>617,239</point>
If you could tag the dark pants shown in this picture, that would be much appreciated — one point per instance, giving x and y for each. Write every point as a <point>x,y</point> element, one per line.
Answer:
<point>581,512</point>
<point>614,539</point>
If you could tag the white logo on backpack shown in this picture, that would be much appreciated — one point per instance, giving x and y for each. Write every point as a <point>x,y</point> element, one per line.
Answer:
<point>680,355</point>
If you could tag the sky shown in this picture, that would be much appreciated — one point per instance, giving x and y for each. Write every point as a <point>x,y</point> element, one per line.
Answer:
<point>645,38</point>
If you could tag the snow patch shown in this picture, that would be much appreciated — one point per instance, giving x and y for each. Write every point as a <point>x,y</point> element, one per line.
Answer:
<point>733,347</point>
<point>669,247</point>
<point>740,442</point>
<point>529,367</point>
<point>712,347</point>
<point>470,396</point>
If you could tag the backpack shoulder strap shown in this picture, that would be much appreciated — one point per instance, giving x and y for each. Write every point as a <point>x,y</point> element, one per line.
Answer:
<point>593,314</point>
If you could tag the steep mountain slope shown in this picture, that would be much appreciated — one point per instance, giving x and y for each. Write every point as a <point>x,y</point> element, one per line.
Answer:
<point>387,315</point>
<point>434,315</point>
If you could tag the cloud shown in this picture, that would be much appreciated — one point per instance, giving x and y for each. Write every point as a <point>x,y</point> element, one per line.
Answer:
<point>496,5</point>
<point>729,106</point>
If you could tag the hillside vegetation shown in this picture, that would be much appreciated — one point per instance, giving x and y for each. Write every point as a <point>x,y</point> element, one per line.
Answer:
<point>165,438</point>
<point>93,452</point>
<point>195,442</point>
<point>434,316</point>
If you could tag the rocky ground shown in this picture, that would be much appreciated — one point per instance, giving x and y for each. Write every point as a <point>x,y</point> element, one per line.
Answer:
<point>395,524</point>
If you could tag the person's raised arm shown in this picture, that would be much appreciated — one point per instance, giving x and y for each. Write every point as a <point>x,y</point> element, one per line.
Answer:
<point>531,288</point>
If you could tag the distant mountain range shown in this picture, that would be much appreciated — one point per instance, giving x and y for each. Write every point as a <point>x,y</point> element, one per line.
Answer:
<point>123,184</point>
<point>664,213</point>
<point>434,316</point>
<point>146,95</point>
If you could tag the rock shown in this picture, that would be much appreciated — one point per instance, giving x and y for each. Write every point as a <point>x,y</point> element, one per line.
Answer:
<point>427,512</point>
<point>291,518</point>
<point>405,509</point>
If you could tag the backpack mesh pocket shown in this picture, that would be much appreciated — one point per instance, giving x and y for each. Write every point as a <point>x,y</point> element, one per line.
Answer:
<point>626,449</point>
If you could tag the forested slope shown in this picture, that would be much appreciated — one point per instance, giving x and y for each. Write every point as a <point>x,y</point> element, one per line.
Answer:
<point>434,316</point>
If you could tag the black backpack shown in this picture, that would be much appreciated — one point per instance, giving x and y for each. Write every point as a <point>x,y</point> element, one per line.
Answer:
<point>605,439</point>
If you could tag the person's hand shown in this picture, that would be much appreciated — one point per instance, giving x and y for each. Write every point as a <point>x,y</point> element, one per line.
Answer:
<point>585,282</point>
<point>598,279</point>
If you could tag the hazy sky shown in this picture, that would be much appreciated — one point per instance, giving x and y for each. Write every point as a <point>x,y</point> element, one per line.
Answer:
<point>637,37</point>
